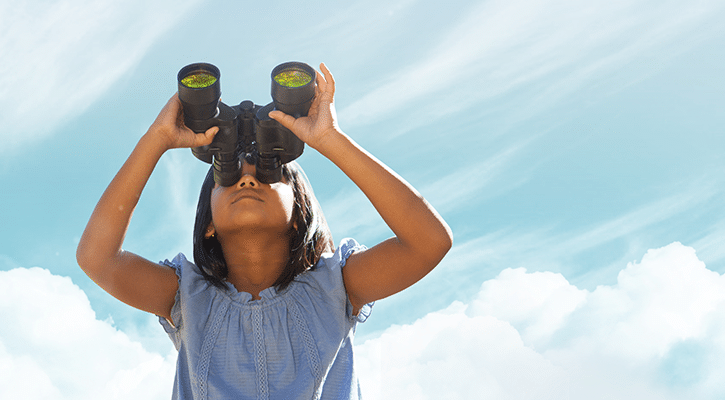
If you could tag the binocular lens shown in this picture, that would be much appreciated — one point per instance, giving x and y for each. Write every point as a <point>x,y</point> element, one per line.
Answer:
<point>293,77</point>
<point>198,80</point>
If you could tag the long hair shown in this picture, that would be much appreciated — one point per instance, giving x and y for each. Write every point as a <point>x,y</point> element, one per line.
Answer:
<point>308,241</point>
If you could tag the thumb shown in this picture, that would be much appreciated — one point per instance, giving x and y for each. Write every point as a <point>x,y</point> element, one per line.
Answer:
<point>285,120</point>
<point>203,139</point>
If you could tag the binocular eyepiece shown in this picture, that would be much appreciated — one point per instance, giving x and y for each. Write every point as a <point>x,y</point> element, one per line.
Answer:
<point>246,132</point>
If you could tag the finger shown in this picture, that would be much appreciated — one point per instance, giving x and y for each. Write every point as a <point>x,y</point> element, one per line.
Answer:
<point>321,83</point>
<point>203,139</point>
<point>174,103</point>
<point>211,132</point>
<point>328,74</point>
<point>285,120</point>
<point>171,106</point>
<point>175,108</point>
<point>329,79</point>
<point>316,99</point>
<point>173,98</point>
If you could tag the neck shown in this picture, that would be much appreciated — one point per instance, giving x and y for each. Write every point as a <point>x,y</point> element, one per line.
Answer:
<point>255,260</point>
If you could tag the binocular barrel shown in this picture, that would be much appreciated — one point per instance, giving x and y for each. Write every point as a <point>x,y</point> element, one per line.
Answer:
<point>293,88</point>
<point>199,91</point>
<point>246,128</point>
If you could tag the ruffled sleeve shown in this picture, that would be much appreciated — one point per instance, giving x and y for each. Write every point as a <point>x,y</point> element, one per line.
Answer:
<point>172,327</point>
<point>328,275</point>
<point>347,247</point>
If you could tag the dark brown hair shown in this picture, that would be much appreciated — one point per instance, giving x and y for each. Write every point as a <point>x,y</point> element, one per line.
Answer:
<point>308,241</point>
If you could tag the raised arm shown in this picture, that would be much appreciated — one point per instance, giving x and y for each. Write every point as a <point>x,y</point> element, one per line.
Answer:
<point>422,237</point>
<point>132,279</point>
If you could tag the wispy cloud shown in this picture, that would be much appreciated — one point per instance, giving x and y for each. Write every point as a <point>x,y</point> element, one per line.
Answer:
<point>59,56</point>
<point>168,228</point>
<point>475,182</point>
<point>639,219</point>
<point>547,49</point>
<point>575,251</point>
<point>350,212</point>
<point>711,247</point>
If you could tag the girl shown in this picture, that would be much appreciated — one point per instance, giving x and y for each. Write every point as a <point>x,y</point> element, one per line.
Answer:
<point>270,307</point>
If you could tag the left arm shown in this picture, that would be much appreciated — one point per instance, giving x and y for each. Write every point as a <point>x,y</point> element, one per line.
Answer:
<point>422,237</point>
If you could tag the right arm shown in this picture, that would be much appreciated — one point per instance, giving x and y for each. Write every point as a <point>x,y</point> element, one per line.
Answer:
<point>126,276</point>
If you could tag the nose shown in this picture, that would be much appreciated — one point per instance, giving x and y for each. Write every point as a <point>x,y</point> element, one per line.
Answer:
<point>249,176</point>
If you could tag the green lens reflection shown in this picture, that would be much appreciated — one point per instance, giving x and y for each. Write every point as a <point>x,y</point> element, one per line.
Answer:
<point>198,80</point>
<point>293,78</point>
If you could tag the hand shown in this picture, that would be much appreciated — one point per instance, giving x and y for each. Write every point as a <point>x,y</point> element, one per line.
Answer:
<point>170,129</point>
<point>321,120</point>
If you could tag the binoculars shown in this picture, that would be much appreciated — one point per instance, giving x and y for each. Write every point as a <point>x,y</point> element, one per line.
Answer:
<point>246,132</point>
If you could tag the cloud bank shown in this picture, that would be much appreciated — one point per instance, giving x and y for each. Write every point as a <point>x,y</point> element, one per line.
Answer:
<point>657,333</point>
<point>53,347</point>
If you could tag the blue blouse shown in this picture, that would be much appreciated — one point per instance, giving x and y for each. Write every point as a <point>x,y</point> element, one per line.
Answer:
<point>292,344</point>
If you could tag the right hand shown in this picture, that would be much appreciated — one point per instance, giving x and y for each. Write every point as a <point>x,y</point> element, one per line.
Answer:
<point>321,120</point>
<point>170,129</point>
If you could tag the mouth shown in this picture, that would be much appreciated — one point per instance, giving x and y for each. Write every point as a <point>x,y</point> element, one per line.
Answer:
<point>246,196</point>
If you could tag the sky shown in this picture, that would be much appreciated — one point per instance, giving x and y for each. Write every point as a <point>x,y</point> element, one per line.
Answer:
<point>576,149</point>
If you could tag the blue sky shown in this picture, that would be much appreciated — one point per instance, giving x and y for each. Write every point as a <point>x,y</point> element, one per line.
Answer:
<point>576,150</point>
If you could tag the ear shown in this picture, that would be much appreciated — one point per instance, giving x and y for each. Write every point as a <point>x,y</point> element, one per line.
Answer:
<point>210,231</point>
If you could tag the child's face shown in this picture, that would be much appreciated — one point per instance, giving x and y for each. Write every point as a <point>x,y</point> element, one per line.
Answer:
<point>252,204</point>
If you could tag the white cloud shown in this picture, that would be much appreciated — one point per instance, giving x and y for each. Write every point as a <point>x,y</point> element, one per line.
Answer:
<point>537,304</point>
<point>658,333</point>
<point>655,334</point>
<point>59,56</point>
<point>53,347</point>
<point>449,355</point>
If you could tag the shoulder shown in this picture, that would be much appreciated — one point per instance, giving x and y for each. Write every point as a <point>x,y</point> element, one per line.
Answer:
<point>325,280</point>
<point>195,296</point>
<point>189,273</point>
<point>328,270</point>
<point>337,260</point>
<point>192,282</point>
<point>178,263</point>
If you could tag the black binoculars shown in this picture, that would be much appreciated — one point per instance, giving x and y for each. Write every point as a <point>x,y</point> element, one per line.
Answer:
<point>246,132</point>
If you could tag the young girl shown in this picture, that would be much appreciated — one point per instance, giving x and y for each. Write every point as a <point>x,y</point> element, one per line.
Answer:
<point>269,309</point>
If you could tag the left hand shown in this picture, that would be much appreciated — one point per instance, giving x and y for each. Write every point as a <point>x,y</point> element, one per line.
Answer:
<point>321,120</point>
